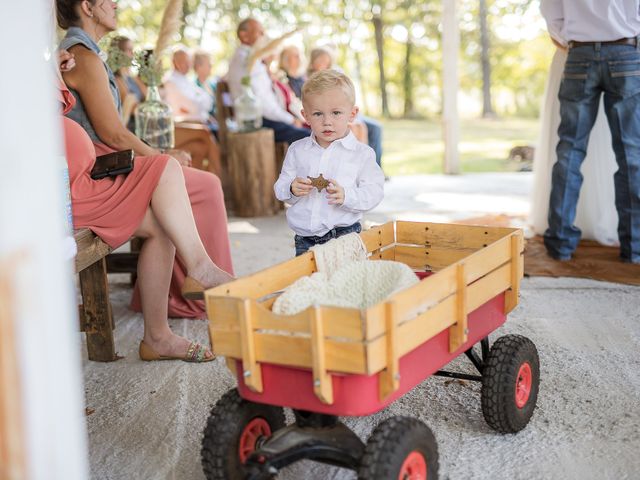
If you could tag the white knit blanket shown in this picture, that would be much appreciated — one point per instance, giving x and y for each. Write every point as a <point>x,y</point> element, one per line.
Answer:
<point>355,285</point>
<point>339,252</point>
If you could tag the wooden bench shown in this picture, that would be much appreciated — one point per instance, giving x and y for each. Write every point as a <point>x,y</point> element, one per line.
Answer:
<point>96,317</point>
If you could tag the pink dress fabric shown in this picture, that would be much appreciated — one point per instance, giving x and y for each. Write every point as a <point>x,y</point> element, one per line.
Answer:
<point>114,207</point>
<point>207,203</point>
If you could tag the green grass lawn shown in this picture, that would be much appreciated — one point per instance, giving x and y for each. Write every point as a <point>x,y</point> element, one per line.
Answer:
<point>415,146</point>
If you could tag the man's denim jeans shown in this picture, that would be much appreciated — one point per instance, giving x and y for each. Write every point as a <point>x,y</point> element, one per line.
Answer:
<point>590,71</point>
<point>305,243</point>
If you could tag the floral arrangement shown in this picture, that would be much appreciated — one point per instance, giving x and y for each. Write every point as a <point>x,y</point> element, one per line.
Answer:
<point>149,67</point>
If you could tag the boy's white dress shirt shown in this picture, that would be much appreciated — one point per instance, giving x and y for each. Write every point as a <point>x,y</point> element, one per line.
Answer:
<point>350,163</point>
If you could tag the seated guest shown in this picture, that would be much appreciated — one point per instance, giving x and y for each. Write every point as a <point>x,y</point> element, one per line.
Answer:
<point>97,110</point>
<point>286,127</point>
<point>291,65</point>
<point>188,100</point>
<point>322,59</point>
<point>202,69</point>
<point>132,90</point>
<point>150,202</point>
<point>287,98</point>
<point>319,59</point>
<point>190,103</point>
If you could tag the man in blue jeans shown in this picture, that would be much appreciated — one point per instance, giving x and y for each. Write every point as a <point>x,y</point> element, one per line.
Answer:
<point>603,58</point>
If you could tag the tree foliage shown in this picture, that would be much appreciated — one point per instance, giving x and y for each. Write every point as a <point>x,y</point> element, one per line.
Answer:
<point>519,53</point>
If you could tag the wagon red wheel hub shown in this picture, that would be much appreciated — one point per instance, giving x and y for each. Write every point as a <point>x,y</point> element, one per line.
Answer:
<point>255,429</point>
<point>414,467</point>
<point>523,385</point>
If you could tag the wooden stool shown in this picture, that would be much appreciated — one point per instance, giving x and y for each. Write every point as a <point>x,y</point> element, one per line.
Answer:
<point>252,168</point>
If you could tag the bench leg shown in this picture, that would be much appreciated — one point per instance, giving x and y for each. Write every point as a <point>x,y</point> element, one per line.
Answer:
<point>96,310</point>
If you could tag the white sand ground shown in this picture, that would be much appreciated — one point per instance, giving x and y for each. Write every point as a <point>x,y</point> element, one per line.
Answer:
<point>148,418</point>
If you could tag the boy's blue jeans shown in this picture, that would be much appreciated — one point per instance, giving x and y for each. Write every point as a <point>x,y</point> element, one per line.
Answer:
<point>305,243</point>
<point>589,72</point>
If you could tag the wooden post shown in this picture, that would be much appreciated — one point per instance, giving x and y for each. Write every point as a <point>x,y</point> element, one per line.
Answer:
<point>450,121</point>
<point>252,168</point>
<point>250,368</point>
<point>389,380</point>
<point>12,448</point>
<point>322,385</point>
<point>458,331</point>
<point>96,311</point>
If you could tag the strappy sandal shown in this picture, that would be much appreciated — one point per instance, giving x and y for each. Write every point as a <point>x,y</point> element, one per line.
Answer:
<point>195,354</point>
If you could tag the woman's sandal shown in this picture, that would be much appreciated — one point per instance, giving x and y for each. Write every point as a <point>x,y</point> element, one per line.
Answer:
<point>195,354</point>
<point>192,289</point>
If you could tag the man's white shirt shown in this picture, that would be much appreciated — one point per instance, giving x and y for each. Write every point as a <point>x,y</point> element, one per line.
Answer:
<point>591,20</point>
<point>261,85</point>
<point>185,98</point>
<point>347,161</point>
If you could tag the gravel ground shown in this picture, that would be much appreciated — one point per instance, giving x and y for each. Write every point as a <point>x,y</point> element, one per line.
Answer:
<point>147,418</point>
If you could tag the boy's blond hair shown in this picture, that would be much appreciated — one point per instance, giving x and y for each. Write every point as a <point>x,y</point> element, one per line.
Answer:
<point>325,80</point>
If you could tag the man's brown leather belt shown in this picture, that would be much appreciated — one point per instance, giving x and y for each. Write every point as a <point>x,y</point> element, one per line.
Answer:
<point>620,41</point>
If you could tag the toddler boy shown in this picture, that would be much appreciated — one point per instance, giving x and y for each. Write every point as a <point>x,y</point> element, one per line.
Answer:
<point>330,178</point>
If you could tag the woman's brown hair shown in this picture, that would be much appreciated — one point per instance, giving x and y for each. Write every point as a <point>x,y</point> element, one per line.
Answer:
<point>66,13</point>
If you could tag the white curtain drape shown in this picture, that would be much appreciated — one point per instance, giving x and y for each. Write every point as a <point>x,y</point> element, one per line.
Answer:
<point>31,233</point>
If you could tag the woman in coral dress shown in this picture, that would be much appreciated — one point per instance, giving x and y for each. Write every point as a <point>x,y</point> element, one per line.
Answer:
<point>150,202</point>
<point>93,85</point>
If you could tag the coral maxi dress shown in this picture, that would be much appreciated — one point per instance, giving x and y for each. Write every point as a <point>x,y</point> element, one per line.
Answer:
<point>113,207</point>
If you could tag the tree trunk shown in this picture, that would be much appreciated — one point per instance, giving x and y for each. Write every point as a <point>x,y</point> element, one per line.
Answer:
<point>408,80</point>
<point>363,100</point>
<point>487,108</point>
<point>377,27</point>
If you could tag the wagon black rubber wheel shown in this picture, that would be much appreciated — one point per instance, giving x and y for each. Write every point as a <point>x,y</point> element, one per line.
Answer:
<point>234,429</point>
<point>400,448</point>
<point>510,382</point>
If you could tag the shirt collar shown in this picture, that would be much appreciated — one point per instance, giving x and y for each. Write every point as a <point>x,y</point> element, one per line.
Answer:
<point>349,141</point>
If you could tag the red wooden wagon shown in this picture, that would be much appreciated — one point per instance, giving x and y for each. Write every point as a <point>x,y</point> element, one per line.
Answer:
<point>327,362</point>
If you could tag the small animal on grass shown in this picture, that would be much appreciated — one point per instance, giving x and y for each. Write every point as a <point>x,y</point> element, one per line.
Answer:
<point>521,153</point>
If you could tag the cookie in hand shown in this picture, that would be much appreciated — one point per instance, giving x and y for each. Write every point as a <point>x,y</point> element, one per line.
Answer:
<point>319,182</point>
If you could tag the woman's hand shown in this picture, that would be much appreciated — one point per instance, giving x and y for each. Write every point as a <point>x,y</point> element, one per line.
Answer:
<point>335,193</point>
<point>301,187</point>
<point>66,61</point>
<point>183,158</point>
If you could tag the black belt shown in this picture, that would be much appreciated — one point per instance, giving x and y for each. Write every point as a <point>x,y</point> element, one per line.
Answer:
<point>620,41</point>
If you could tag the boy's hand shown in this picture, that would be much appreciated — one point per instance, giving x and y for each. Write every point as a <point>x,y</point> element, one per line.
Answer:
<point>301,187</point>
<point>335,193</point>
